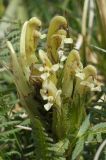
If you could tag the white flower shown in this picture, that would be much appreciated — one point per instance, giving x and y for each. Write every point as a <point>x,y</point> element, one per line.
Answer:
<point>47,71</point>
<point>43,36</point>
<point>50,93</point>
<point>98,107</point>
<point>49,104</point>
<point>91,84</point>
<point>41,68</point>
<point>87,79</point>
<point>102,99</point>
<point>51,100</point>
<point>96,88</point>
<point>62,57</point>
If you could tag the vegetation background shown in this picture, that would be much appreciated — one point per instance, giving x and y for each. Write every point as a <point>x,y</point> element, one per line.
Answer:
<point>87,19</point>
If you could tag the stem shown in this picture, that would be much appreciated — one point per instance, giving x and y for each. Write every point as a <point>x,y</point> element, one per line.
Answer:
<point>84,30</point>
<point>97,155</point>
<point>84,17</point>
<point>101,8</point>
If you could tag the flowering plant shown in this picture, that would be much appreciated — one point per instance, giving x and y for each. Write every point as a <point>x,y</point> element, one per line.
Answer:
<point>54,88</point>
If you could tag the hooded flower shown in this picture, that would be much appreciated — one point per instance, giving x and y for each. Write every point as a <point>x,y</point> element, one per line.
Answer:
<point>73,65</point>
<point>86,80</point>
<point>28,43</point>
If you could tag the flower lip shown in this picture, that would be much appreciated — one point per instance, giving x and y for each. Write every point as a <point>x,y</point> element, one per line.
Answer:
<point>48,106</point>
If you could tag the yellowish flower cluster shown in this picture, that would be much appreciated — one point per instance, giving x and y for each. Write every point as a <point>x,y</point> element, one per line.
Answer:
<point>51,65</point>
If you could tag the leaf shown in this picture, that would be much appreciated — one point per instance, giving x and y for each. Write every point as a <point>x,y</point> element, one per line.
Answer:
<point>78,148</point>
<point>14,153</point>
<point>90,138</point>
<point>84,127</point>
<point>98,49</point>
<point>61,147</point>
<point>99,137</point>
<point>97,130</point>
<point>42,141</point>
<point>12,131</point>
<point>99,127</point>
<point>5,124</point>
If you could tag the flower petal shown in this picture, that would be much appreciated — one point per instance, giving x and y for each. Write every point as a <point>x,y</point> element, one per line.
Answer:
<point>58,92</point>
<point>87,84</point>
<point>43,94</point>
<point>50,98</point>
<point>80,75</point>
<point>48,106</point>
<point>60,53</point>
<point>97,88</point>
<point>41,69</point>
<point>44,76</point>
<point>55,67</point>
<point>63,58</point>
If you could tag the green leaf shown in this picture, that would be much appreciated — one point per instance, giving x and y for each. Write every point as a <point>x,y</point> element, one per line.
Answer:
<point>90,138</point>
<point>45,149</point>
<point>12,131</point>
<point>99,137</point>
<point>99,127</point>
<point>42,143</point>
<point>98,49</point>
<point>60,147</point>
<point>84,127</point>
<point>78,148</point>
<point>5,124</point>
<point>96,130</point>
<point>13,153</point>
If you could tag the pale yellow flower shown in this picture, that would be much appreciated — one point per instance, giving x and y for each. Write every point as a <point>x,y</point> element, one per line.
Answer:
<point>73,65</point>
<point>50,93</point>
<point>86,80</point>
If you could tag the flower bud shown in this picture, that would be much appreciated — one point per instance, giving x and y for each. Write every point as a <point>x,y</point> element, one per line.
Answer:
<point>86,80</point>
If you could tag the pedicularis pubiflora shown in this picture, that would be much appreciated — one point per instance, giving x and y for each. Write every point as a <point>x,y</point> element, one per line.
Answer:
<point>52,84</point>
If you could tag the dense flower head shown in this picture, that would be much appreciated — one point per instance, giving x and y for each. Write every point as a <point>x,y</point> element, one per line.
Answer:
<point>59,72</point>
